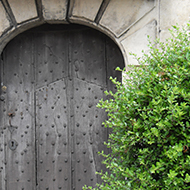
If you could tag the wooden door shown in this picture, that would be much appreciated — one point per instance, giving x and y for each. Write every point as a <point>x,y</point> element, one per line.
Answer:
<point>52,78</point>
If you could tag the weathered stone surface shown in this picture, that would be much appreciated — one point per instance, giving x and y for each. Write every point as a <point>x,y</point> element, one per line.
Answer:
<point>172,12</point>
<point>23,9</point>
<point>86,9</point>
<point>4,21</point>
<point>54,9</point>
<point>152,15</point>
<point>137,42</point>
<point>121,14</point>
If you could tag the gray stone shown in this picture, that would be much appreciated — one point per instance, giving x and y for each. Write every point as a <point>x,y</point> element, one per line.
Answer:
<point>138,41</point>
<point>23,10</point>
<point>85,9</point>
<point>4,21</point>
<point>54,10</point>
<point>121,14</point>
<point>172,12</point>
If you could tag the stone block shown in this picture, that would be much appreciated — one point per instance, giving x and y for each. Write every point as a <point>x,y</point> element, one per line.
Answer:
<point>121,14</point>
<point>23,10</point>
<point>54,10</point>
<point>85,9</point>
<point>174,11</point>
<point>138,41</point>
<point>4,21</point>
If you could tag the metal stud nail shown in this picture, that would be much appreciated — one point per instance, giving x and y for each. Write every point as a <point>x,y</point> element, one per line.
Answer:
<point>2,98</point>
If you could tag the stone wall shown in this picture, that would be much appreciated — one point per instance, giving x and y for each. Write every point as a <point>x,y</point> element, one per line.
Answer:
<point>127,22</point>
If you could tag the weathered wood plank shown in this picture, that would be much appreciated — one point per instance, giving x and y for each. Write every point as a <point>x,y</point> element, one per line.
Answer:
<point>2,133</point>
<point>89,134</point>
<point>114,59</point>
<point>52,57</point>
<point>53,159</point>
<point>88,56</point>
<point>19,114</point>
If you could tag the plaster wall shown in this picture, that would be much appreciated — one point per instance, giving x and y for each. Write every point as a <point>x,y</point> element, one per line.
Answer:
<point>127,22</point>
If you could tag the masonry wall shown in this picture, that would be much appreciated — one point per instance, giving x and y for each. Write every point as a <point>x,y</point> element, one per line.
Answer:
<point>127,22</point>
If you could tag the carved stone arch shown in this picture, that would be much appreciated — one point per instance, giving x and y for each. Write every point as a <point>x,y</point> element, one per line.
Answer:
<point>127,23</point>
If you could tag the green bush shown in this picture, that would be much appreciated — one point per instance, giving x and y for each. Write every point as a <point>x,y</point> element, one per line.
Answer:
<point>150,120</point>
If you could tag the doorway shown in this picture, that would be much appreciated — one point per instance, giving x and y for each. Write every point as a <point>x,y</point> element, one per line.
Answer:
<point>52,78</point>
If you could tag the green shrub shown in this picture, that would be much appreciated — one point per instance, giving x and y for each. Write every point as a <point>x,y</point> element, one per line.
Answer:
<point>150,120</point>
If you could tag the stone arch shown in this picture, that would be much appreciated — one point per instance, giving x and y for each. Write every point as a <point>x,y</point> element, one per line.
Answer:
<point>122,21</point>
<point>68,124</point>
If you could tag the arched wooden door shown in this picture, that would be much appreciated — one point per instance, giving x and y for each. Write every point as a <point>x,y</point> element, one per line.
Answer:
<point>52,77</point>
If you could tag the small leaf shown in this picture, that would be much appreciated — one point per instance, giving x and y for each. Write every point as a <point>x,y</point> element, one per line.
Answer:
<point>187,178</point>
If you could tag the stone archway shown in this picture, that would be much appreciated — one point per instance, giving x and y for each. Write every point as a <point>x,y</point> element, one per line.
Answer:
<point>53,77</point>
<point>127,23</point>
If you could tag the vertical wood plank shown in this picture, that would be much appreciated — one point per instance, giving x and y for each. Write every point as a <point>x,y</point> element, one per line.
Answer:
<point>89,73</point>
<point>88,56</point>
<point>2,133</point>
<point>19,114</point>
<point>52,55</point>
<point>53,159</point>
<point>52,110</point>
<point>89,135</point>
<point>114,59</point>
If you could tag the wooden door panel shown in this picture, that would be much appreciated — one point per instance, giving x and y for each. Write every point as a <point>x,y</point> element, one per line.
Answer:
<point>114,59</point>
<point>2,131</point>
<point>54,80</point>
<point>51,56</point>
<point>88,56</point>
<point>53,158</point>
<point>18,118</point>
<point>89,135</point>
